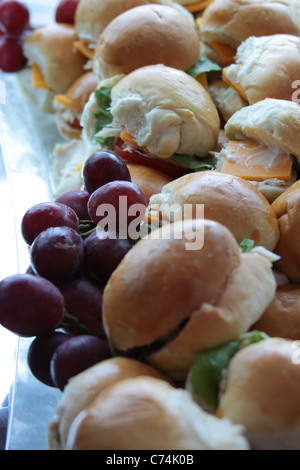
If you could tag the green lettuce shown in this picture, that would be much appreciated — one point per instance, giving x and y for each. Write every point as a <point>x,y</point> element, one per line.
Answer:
<point>201,66</point>
<point>103,115</point>
<point>193,163</point>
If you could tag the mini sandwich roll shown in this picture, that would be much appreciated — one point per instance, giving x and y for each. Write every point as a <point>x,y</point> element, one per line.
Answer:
<point>265,67</point>
<point>149,180</point>
<point>85,387</point>
<point>145,413</point>
<point>55,63</point>
<point>261,393</point>
<point>263,144</point>
<point>227,199</point>
<point>145,35</point>
<point>180,301</point>
<point>287,209</point>
<point>225,24</point>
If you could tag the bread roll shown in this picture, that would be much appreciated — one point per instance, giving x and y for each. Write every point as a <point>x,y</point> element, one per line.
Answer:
<point>144,413</point>
<point>85,387</point>
<point>182,298</point>
<point>229,200</point>
<point>149,180</point>
<point>266,67</point>
<point>145,35</point>
<point>261,393</point>
<point>51,49</point>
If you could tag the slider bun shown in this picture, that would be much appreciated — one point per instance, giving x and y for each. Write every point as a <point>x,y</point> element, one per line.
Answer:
<point>282,316</point>
<point>267,67</point>
<point>149,180</point>
<point>262,394</point>
<point>227,199</point>
<point>287,210</point>
<point>273,122</point>
<point>145,35</point>
<point>92,16</point>
<point>51,48</point>
<point>182,299</point>
<point>78,94</point>
<point>85,387</point>
<point>164,110</point>
<point>144,413</point>
<point>232,21</point>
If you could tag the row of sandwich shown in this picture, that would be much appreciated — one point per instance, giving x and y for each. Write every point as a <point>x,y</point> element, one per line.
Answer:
<point>202,101</point>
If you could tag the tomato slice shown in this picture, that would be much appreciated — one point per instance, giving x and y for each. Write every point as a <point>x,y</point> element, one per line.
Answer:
<point>138,157</point>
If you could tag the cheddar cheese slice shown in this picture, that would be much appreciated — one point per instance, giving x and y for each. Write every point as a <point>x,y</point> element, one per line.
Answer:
<point>126,137</point>
<point>225,52</point>
<point>256,161</point>
<point>84,49</point>
<point>38,78</point>
<point>66,101</point>
<point>194,7</point>
<point>234,83</point>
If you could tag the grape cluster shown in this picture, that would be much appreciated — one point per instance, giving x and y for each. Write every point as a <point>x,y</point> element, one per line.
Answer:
<point>59,299</point>
<point>14,23</point>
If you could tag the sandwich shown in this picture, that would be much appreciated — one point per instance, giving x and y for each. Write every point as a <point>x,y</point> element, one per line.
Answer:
<point>145,413</point>
<point>263,146</point>
<point>157,116</point>
<point>92,16</point>
<point>225,24</point>
<point>193,290</point>
<point>69,106</point>
<point>265,67</point>
<point>55,64</point>
<point>227,199</point>
<point>261,392</point>
<point>146,35</point>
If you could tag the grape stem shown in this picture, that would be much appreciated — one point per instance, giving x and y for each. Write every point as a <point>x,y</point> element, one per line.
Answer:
<point>69,321</point>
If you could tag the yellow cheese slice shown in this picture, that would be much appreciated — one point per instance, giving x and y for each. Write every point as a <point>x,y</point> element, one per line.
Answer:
<point>194,7</point>
<point>225,52</point>
<point>234,84</point>
<point>66,101</point>
<point>84,49</point>
<point>37,78</point>
<point>256,162</point>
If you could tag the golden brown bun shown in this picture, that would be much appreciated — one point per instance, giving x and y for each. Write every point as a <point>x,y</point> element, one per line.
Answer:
<point>273,122</point>
<point>227,199</point>
<point>267,67</point>
<point>51,48</point>
<point>149,180</point>
<point>287,209</point>
<point>144,413</point>
<point>92,16</point>
<point>146,35</point>
<point>282,317</point>
<point>183,298</point>
<point>232,21</point>
<point>85,387</point>
<point>165,110</point>
<point>262,394</point>
<point>77,96</point>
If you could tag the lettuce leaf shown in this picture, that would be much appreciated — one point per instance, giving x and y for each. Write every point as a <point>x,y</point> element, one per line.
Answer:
<point>202,65</point>
<point>193,163</point>
<point>246,245</point>
<point>103,115</point>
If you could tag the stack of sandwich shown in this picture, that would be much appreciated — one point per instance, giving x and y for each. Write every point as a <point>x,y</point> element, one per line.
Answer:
<point>201,97</point>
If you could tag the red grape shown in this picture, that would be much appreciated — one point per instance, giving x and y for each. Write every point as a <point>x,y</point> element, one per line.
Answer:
<point>65,11</point>
<point>45,215</point>
<point>12,58</point>
<point>40,354</point>
<point>103,167</point>
<point>118,198</point>
<point>14,17</point>
<point>103,255</point>
<point>77,200</point>
<point>83,301</point>
<point>30,305</point>
<point>76,355</point>
<point>57,254</point>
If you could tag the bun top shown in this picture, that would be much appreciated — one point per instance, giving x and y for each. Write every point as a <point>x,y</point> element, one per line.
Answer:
<point>144,413</point>
<point>51,49</point>
<point>232,21</point>
<point>92,16</point>
<point>145,35</point>
<point>165,110</point>
<point>273,122</point>
<point>266,67</point>
<point>227,199</point>
<point>261,393</point>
